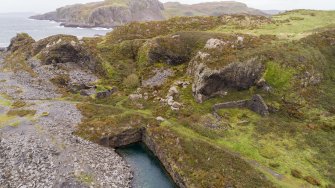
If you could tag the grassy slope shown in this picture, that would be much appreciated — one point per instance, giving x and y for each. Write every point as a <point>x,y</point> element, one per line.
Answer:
<point>299,136</point>
<point>290,25</point>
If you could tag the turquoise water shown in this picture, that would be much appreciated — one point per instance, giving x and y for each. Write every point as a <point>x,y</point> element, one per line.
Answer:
<point>148,171</point>
<point>13,23</point>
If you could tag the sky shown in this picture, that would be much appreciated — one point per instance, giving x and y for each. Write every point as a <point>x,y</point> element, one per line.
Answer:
<point>41,6</point>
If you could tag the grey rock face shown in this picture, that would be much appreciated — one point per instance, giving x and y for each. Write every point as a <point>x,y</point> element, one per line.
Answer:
<point>127,137</point>
<point>158,79</point>
<point>239,75</point>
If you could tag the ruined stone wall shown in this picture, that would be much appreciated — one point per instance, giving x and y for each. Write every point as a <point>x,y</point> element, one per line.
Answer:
<point>255,104</point>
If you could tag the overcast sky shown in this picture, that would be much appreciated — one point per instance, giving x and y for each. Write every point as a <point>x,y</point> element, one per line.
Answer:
<point>40,6</point>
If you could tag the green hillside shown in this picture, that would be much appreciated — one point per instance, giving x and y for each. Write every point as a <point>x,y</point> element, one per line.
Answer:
<point>169,75</point>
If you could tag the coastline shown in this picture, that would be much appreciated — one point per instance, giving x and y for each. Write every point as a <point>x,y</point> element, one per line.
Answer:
<point>78,25</point>
<point>40,29</point>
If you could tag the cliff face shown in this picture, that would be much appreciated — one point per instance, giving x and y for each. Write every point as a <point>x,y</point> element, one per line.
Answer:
<point>112,13</point>
<point>109,13</point>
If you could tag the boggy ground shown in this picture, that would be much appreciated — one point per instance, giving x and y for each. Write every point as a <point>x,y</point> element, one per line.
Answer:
<point>37,147</point>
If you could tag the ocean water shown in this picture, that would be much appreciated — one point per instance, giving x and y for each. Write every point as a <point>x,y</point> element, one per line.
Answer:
<point>13,23</point>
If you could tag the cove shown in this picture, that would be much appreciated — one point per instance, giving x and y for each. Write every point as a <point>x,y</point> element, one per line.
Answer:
<point>148,171</point>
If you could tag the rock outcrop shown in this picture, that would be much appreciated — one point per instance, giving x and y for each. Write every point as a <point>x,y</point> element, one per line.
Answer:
<point>240,75</point>
<point>127,137</point>
<point>172,50</point>
<point>62,59</point>
<point>21,41</point>
<point>109,13</point>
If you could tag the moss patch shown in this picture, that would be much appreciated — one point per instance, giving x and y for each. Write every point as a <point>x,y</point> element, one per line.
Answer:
<point>21,113</point>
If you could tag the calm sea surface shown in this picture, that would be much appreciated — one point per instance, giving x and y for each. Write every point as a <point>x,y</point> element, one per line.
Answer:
<point>13,23</point>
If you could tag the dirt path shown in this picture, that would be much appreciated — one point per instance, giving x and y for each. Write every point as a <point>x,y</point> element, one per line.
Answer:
<point>40,151</point>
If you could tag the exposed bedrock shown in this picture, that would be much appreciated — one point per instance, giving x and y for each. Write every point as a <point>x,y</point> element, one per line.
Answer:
<point>63,49</point>
<point>240,75</point>
<point>62,59</point>
<point>126,137</point>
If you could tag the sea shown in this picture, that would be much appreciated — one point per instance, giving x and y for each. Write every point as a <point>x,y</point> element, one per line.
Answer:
<point>13,23</point>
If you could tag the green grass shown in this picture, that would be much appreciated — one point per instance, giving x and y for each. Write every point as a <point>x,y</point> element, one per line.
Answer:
<point>286,26</point>
<point>85,178</point>
<point>278,77</point>
<point>4,102</point>
<point>4,119</point>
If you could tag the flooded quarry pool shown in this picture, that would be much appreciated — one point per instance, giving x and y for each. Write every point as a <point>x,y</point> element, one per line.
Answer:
<point>148,171</point>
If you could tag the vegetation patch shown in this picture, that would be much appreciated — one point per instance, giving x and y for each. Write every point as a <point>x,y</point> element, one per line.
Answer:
<point>21,113</point>
<point>278,77</point>
<point>19,104</point>
<point>85,178</point>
